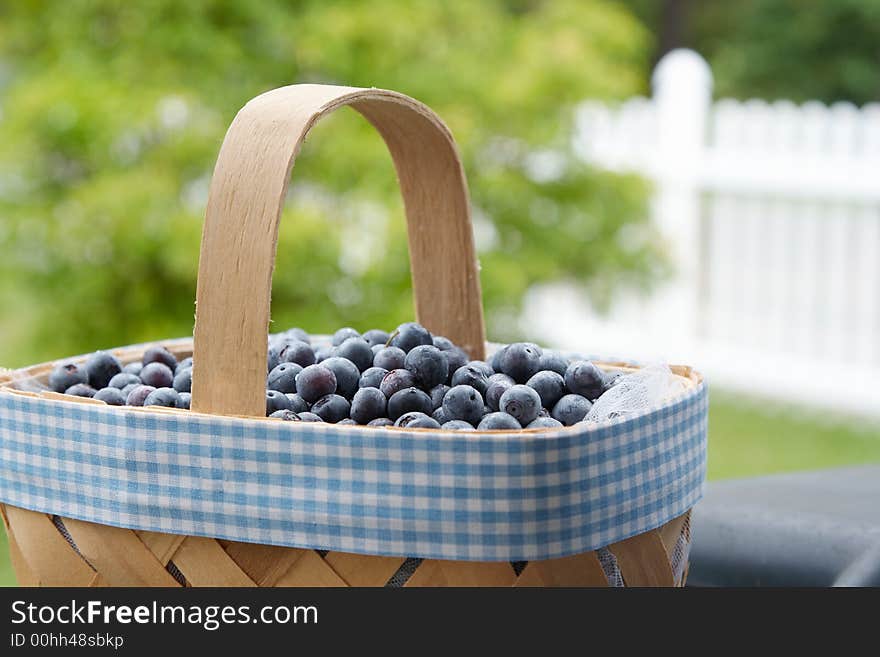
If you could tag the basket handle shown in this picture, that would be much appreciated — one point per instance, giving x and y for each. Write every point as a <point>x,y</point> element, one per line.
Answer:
<point>240,233</point>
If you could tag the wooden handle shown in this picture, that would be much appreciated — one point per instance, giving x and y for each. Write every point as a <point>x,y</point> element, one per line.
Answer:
<point>241,232</point>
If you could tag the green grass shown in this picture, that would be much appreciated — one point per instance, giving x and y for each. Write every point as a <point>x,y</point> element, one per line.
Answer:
<point>745,440</point>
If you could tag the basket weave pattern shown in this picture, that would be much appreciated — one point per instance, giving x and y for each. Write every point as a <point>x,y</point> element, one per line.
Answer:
<point>99,555</point>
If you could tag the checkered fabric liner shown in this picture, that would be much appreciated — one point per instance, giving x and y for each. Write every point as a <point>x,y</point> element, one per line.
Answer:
<point>424,494</point>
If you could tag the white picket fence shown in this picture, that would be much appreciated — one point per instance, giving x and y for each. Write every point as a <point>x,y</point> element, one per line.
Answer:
<point>771,214</point>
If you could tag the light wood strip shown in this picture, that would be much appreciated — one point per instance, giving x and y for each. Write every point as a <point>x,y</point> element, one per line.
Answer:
<point>46,552</point>
<point>643,560</point>
<point>362,569</point>
<point>577,570</point>
<point>434,572</point>
<point>118,555</point>
<point>98,582</point>
<point>671,532</point>
<point>247,193</point>
<point>204,563</point>
<point>264,564</point>
<point>310,570</point>
<point>163,546</point>
<point>23,572</point>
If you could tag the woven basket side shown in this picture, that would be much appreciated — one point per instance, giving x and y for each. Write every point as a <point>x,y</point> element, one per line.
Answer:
<point>70,552</point>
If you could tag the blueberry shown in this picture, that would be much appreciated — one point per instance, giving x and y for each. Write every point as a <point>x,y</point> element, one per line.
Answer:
<point>347,420</point>
<point>331,408</point>
<point>344,334</point>
<point>463,403</point>
<point>137,396</point>
<point>522,402</point>
<point>457,425</point>
<point>409,399</point>
<point>368,404</point>
<point>357,351</point>
<point>67,375</point>
<point>309,417</point>
<point>297,352</point>
<point>286,415</point>
<point>411,335</point>
<point>157,374</point>
<point>495,358</point>
<point>499,376</point>
<point>456,358</point>
<point>324,353</point>
<point>273,357</point>
<point>544,423</point>
<point>81,390</point>
<point>469,375</point>
<point>295,333</point>
<point>183,380</point>
<point>297,403</point>
<point>372,377</point>
<point>521,361</point>
<point>160,355</point>
<point>347,375</point>
<point>277,401</point>
<point>498,385</point>
<point>390,358</point>
<point>112,396</point>
<point>380,422</point>
<point>443,344</point>
<point>585,379</point>
<point>483,366</point>
<point>395,381</point>
<point>571,409</point>
<point>437,394</point>
<point>123,379</point>
<point>314,382</point>
<point>498,421</point>
<point>375,337</point>
<point>126,391</point>
<point>440,415</point>
<point>186,363</point>
<point>549,385</point>
<point>428,364</point>
<point>101,367</point>
<point>184,400</point>
<point>133,368</point>
<point>416,420</point>
<point>553,361</point>
<point>162,397</point>
<point>283,377</point>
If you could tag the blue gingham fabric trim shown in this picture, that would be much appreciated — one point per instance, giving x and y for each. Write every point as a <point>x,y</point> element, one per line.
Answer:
<point>443,495</point>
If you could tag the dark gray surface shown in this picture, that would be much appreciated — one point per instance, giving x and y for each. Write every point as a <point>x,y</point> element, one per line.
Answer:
<point>802,529</point>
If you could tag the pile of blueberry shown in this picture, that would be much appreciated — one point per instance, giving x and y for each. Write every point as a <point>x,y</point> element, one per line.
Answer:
<point>408,378</point>
<point>159,379</point>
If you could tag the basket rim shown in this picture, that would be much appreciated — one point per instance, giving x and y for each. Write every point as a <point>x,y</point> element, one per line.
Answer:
<point>442,495</point>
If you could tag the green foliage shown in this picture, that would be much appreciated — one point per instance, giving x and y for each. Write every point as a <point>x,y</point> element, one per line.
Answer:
<point>793,49</point>
<point>800,50</point>
<point>112,115</point>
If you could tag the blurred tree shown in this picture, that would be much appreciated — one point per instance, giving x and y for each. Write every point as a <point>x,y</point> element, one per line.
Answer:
<point>112,115</point>
<point>795,49</point>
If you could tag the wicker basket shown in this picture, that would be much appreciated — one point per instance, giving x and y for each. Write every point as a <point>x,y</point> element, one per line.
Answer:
<point>78,478</point>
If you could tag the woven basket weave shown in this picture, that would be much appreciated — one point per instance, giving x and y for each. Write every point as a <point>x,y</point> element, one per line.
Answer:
<point>72,471</point>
